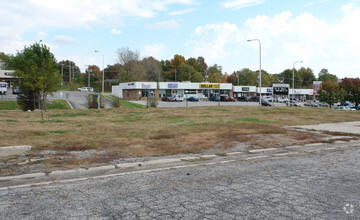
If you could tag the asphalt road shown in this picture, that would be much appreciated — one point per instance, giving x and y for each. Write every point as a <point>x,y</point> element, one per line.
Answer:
<point>319,182</point>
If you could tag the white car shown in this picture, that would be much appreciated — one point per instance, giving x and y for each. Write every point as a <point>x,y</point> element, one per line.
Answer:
<point>86,89</point>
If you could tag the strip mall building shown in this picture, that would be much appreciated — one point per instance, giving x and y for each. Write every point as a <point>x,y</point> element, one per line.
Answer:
<point>142,90</point>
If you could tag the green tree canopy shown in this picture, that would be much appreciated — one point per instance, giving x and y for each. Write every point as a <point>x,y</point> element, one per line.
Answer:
<point>324,75</point>
<point>37,68</point>
<point>352,89</point>
<point>331,93</point>
<point>307,76</point>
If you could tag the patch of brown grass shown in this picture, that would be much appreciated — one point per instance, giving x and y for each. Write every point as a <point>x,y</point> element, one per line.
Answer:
<point>155,132</point>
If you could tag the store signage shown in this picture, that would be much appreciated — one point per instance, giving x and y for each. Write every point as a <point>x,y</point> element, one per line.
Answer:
<point>131,84</point>
<point>245,89</point>
<point>175,86</point>
<point>209,86</point>
<point>269,90</point>
<point>281,91</point>
<point>144,85</point>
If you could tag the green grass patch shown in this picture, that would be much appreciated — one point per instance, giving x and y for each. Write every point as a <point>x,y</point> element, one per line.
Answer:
<point>219,109</point>
<point>11,120</point>
<point>79,125</point>
<point>60,131</point>
<point>67,114</point>
<point>58,104</point>
<point>8,105</point>
<point>124,104</point>
<point>256,120</point>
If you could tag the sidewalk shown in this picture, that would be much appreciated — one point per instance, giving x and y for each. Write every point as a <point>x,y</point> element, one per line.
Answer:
<point>345,127</point>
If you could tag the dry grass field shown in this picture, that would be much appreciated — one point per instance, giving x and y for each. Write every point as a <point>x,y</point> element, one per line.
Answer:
<point>144,132</point>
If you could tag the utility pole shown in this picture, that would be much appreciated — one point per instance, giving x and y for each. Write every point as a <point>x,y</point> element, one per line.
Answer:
<point>62,74</point>
<point>89,73</point>
<point>69,71</point>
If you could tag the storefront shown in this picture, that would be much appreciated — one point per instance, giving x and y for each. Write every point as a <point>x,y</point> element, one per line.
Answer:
<point>246,91</point>
<point>141,90</point>
<point>135,90</point>
<point>198,90</point>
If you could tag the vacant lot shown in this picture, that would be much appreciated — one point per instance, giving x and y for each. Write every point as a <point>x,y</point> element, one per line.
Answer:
<point>108,134</point>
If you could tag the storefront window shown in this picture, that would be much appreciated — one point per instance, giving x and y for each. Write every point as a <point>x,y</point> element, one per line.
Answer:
<point>147,92</point>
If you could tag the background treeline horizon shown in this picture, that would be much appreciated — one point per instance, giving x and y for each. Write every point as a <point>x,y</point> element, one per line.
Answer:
<point>131,67</point>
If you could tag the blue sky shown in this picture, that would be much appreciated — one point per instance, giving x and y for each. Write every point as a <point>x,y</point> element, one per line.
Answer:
<point>322,33</point>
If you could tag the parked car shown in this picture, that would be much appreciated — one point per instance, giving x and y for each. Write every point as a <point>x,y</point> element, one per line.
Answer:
<point>231,99</point>
<point>225,98</point>
<point>15,90</point>
<point>293,103</point>
<point>358,107</point>
<point>254,99</point>
<point>323,104</point>
<point>243,99</point>
<point>264,102</point>
<point>281,100</point>
<point>268,98</point>
<point>178,98</point>
<point>168,99</point>
<point>341,107</point>
<point>311,104</point>
<point>214,98</point>
<point>193,99</point>
<point>86,89</point>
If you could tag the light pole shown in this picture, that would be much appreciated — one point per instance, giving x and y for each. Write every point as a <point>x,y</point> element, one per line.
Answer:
<point>88,70</point>
<point>186,92</point>
<point>102,85</point>
<point>293,85</point>
<point>259,65</point>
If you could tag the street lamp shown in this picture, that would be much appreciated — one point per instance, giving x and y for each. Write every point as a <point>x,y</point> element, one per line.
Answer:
<point>102,86</point>
<point>186,92</point>
<point>88,71</point>
<point>259,64</point>
<point>294,81</point>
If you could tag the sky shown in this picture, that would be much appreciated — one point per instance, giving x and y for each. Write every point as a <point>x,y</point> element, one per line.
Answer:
<point>321,33</point>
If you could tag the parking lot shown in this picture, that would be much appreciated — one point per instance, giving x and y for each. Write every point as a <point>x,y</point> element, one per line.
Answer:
<point>162,104</point>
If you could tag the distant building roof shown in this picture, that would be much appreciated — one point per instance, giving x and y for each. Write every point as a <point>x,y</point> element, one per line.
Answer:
<point>9,74</point>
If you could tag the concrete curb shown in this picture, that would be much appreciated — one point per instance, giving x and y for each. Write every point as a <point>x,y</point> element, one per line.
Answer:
<point>152,162</point>
<point>14,150</point>
<point>69,104</point>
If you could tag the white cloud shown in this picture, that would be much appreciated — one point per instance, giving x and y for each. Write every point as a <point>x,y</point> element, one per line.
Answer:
<point>215,40</point>
<point>237,4</point>
<point>115,31</point>
<point>348,7</point>
<point>41,34</point>
<point>156,50</point>
<point>186,11</point>
<point>285,37</point>
<point>166,25</point>
<point>61,40</point>
<point>25,16</point>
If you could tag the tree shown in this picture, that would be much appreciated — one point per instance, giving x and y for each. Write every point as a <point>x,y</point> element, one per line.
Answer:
<point>247,77</point>
<point>233,79</point>
<point>307,76</point>
<point>331,92</point>
<point>37,68</point>
<point>185,72</point>
<point>214,73</point>
<point>68,68</point>
<point>352,89</point>
<point>153,69</point>
<point>197,77</point>
<point>4,60</point>
<point>202,63</point>
<point>324,75</point>
<point>130,60</point>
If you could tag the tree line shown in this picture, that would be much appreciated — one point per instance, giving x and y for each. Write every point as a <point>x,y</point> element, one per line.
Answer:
<point>42,74</point>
